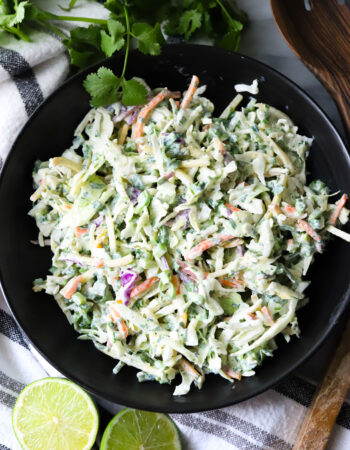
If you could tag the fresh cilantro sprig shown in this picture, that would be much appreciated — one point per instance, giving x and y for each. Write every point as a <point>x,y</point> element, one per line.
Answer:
<point>140,20</point>
<point>103,86</point>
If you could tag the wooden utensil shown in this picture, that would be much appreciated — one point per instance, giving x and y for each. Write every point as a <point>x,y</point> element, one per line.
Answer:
<point>320,37</point>
<point>319,34</point>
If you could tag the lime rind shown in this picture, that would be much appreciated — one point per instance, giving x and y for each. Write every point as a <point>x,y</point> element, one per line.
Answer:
<point>76,395</point>
<point>135,429</point>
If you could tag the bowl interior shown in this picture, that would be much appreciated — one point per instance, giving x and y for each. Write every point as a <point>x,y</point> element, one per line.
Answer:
<point>50,131</point>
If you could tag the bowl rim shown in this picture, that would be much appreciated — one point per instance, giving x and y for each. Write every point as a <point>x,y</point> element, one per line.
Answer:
<point>178,407</point>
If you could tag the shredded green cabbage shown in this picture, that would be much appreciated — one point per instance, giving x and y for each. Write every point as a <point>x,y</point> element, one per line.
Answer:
<point>183,251</point>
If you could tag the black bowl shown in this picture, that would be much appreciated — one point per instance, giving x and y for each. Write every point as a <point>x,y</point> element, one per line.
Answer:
<point>49,132</point>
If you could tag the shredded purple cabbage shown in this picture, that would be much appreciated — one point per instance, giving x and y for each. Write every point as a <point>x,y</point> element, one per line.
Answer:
<point>186,214</point>
<point>128,279</point>
<point>165,263</point>
<point>46,242</point>
<point>228,213</point>
<point>184,277</point>
<point>124,112</point>
<point>241,250</point>
<point>99,220</point>
<point>181,140</point>
<point>169,175</point>
<point>133,194</point>
<point>227,158</point>
<point>131,118</point>
<point>74,261</point>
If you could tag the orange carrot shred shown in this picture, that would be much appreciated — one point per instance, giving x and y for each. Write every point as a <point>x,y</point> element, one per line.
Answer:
<point>198,249</point>
<point>339,206</point>
<point>309,230</point>
<point>144,286</point>
<point>233,282</point>
<point>72,286</point>
<point>232,208</point>
<point>190,92</point>
<point>185,366</point>
<point>290,209</point>
<point>232,373</point>
<point>145,111</point>
<point>122,327</point>
<point>80,231</point>
<point>176,282</point>
<point>268,316</point>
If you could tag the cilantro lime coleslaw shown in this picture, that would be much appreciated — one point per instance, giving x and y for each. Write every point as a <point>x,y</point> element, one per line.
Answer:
<point>180,239</point>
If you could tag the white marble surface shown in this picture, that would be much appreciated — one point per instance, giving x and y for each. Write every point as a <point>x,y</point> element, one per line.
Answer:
<point>263,41</point>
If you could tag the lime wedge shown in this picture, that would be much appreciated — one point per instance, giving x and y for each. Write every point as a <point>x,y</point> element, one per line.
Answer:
<point>140,430</point>
<point>55,414</point>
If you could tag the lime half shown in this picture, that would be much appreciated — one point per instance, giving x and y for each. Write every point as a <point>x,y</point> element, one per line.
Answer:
<point>133,429</point>
<point>55,414</point>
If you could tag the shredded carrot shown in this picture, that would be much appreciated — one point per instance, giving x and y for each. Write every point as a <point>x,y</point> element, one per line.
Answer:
<point>190,92</point>
<point>185,366</point>
<point>72,286</point>
<point>174,94</point>
<point>233,282</point>
<point>268,316</point>
<point>99,240</point>
<point>219,146</point>
<point>122,327</point>
<point>232,208</point>
<point>97,262</point>
<point>80,231</point>
<point>289,209</point>
<point>205,275</point>
<point>198,249</point>
<point>119,301</point>
<point>145,111</point>
<point>207,127</point>
<point>339,206</point>
<point>275,209</point>
<point>144,286</point>
<point>309,230</point>
<point>252,316</point>
<point>184,318</point>
<point>178,104</point>
<point>290,243</point>
<point>176,282</point>
<point>232,373</point>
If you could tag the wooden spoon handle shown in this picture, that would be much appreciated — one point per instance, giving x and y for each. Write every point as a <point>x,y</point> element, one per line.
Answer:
<point>339,87</point>
<point>321,415</point>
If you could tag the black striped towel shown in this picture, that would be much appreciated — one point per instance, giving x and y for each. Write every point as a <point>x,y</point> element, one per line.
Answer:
<point>28,73</point>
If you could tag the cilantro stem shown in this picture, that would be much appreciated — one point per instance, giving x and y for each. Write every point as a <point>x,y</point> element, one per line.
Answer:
<point>127,40</point>
<point>17,31</point>
<point>224,10</point>
<point>80,19</point>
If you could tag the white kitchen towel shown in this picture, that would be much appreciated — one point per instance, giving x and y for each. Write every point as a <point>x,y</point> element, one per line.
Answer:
<point>28,73</point>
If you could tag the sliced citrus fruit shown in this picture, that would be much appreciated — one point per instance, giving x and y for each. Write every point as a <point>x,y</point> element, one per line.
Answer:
<point>54,413</point>
<point>140,430</point>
